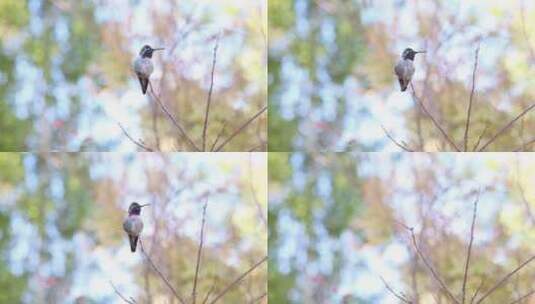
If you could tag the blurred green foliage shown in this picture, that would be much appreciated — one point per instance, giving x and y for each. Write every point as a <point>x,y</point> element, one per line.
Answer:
<point>301,40</point>
<point>61,61</point>
<point>312,209</point>
<point>41,207</point>
<point>13,13</point>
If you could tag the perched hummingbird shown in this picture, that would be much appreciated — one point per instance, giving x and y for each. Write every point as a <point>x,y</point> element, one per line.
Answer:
<point>143,66</point>
<point>133,224</point>
<point>405,68</point>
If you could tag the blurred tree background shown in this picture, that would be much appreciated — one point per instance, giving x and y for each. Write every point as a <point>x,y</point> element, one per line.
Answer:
<point>61,231</point>
<point>66,81</point>
<point>332,86</point>
<point>337,226</point>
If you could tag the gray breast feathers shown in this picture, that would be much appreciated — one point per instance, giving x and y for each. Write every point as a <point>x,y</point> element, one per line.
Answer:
<point>133,225</point>
<point>143,67</point>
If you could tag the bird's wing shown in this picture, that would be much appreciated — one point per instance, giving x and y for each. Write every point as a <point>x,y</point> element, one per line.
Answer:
<point>398,69</point>
<point>143,68</point>
<point>126,225</point>
<point>137,65</point>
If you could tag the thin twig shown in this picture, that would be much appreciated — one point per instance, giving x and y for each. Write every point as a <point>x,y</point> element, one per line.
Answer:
<point>478,289</point>
<point>506,127</point>
<point>172,118</point>
<point>131,301</point>
<point>430,268</point>
<point>138,143</point>
<point>218,136</point>
<point>235,282</point>
<point>259,298</point>
<point>209,99</point>
<point>437,125</point>
<point>253,193</point>
<point>524,32</point>
<point>212,288</point>
<point>199,254</point>
<point>504,279</point>
<point>146,280</point>
<point>241,128</point>
<point>522,192</point>
<point>414,280</point>
<point>155,130</point>
<point>468,116</point>
<point>175,292</point>
<point>524,145</point>
<point>402,146</point>
<point>481,136</point>
<point>392,291</point>
<point>257,147</point>
<point>468,255</point>
<point>529,294</point>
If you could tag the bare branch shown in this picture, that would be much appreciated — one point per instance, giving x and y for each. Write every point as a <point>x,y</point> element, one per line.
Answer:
<point>259,298</point>
<point>524,145</point>
<point>175,292</point>
<point>131,301</point>
<point>138,143</point>
<point>524,297</point>
<point>146,279</point>
<point>430,267</point>
<point>481,137</point>
<point>524,31</point>
<point>437,125</point>
<point>504,279</point>
<point>402,146</point>
<point>218,136</point>
<point>468,255</point>
<point>209,100</point>
<point>392,291</point>
<point>468,116</point>
<point>155,129</point>
<point>506,127</point>
<point>253,193</point>
<point>199,253</point>
<point>212,288</point>
<point>478,289</point>
<point>257,147</point>
<point>241,128</point>
<point>235,282</point>
<point>173,119</point>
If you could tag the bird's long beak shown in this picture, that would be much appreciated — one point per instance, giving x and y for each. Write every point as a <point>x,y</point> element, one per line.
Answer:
<point>421,52</point>
<point>144,205</point>
<point>158,49</point>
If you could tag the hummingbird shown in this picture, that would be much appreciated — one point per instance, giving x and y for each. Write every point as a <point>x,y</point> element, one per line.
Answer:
<point>143,66</point>
<point>405,68</point>
<point>133,225</point>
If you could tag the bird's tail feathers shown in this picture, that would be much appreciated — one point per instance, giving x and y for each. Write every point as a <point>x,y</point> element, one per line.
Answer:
<point>133,242</point>
<point>403,85</point>
<point>144,84</point>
